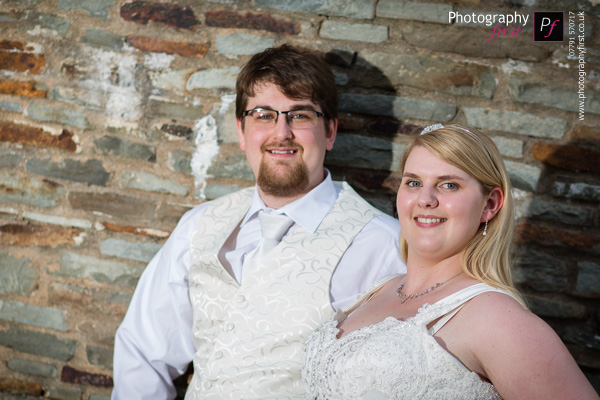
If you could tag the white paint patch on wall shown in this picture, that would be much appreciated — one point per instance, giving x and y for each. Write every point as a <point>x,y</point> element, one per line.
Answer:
<point>206,141</point>
<point>115,76</point>
<point>158,61</point>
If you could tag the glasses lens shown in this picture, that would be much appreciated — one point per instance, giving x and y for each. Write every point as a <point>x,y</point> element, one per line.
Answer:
<point>262,117</point>
<point>302,119</point>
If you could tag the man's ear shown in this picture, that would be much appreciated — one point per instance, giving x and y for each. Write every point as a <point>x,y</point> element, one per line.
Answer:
<point>331,132</point>
<point>495,201</point>
<point>240,132</point>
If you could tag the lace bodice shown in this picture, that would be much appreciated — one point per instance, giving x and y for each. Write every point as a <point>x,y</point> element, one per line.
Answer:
<point>392,359</point>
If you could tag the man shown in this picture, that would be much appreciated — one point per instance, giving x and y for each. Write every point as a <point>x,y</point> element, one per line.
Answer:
<point>208,296</point>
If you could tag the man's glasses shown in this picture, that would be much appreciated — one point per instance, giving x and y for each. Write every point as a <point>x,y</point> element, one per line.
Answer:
<point>261,118</point>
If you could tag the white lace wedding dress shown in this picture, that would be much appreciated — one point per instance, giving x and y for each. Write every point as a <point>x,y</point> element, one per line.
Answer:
<point>392,359</point>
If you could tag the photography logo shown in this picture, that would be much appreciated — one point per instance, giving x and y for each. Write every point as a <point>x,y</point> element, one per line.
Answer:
<point>548,26</point>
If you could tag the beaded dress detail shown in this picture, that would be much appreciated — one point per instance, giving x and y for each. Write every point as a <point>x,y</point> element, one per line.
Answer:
<point>392,359</point>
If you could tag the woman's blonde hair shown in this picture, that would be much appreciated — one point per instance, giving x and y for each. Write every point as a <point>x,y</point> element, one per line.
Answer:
<point>486,258</point>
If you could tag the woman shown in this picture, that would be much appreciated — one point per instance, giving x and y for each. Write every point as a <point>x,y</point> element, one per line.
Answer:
<point>453,327</point>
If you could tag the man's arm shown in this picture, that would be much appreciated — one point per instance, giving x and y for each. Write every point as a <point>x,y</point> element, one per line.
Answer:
<point>154,344</point>
<point>372,255</point>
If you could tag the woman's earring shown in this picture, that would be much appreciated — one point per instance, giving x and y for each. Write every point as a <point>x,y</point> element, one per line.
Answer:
<point>485,227</point>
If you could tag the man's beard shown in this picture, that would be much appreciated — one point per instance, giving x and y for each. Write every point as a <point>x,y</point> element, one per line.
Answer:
<point>290,181</point>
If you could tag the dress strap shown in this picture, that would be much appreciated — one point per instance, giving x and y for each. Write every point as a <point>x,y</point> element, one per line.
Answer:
<point>458,300</point>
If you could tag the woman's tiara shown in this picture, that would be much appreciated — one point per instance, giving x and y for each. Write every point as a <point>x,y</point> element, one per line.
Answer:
<point>435,127</point>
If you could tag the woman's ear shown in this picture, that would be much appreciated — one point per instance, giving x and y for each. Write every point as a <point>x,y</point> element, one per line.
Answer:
<point>494,203</point>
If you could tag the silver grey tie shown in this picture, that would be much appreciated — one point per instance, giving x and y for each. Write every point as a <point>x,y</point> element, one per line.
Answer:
<point>272,228</point>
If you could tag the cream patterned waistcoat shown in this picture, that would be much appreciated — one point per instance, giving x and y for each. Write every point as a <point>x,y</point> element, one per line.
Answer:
<point>248,338</point>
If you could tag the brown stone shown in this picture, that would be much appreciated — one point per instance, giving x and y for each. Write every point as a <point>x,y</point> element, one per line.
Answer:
<point>40,235</point>
<point>14,56</point>
<point>569,157</point>
<point>166,46</point>
<point>24,134</point>
<point>21,89</point>
<point>20,387</point>
<point>136,230</point>
<point>473,42</point>
<point>588,134</point>
<point>231,19</point>
<point>113,204</point>
<point>178,130</point>
<point>71,375</point>
<point>169,14</point>
<point>549,235</point>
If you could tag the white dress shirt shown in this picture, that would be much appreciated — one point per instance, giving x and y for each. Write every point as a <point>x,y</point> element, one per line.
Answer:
<point>154,344</point>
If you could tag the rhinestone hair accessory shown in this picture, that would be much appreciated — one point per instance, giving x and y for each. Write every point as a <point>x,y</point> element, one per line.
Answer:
<point>434,127</point>
<point>430,128</point>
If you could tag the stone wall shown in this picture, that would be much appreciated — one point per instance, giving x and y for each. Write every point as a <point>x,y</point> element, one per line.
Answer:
<point>116,117</point>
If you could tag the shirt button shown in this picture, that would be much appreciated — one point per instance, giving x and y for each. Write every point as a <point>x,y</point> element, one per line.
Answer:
<point>219,355</point>
<point>240,299</point>
<point>229,326</point>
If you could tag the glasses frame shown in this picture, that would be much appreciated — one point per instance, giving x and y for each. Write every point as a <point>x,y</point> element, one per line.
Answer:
<point>287,120</point>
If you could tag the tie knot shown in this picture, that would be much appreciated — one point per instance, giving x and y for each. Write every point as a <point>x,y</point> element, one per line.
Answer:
<point>274,226</point>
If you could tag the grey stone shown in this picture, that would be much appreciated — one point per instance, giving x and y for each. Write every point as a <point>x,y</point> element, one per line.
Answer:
<point>38,343</point>
<point>63,394</point>
<point>90,98</point>
<point>60,115</point>
<point>151,182</point>
<point>541,272</point>
<point>96,8</point>
<point>116,146</point>
<point>100,356</point>
<point>171,79</point>
<point>35,20</point>
<point>516,122</point>
<point>365,152</point>
<point>9,159</point>
<point>355,32</point>
<point>399,107</point>
<point>560,212</point>
<point>241,44</point>
<point>508,147</point>
<point>128,207</point>
<point>94,396</point>
<point>577,190</point>
<point>137,251</point>
<point>91,171</point>
<point>427,12</point>
<point>180,161</point>
<point>175,111</point>
<point>30,190</point>
<point>10,106</point>
<point>102,38</point>
<point>359,9</point>
<point>556,307</point>
<point>16,275</point>
<point>553,94</point>
<point>523,176</point>
<point>588,279</point>
<point>216,78</point>
<point>98,297</point>
<point>103,271</point>
<point>31,367</point>
<point>233,165</point>
<point>432,73</point>
<point>44,317</point>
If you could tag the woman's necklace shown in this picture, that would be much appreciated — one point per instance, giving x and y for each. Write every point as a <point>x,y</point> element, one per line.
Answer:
<point>405,297</point>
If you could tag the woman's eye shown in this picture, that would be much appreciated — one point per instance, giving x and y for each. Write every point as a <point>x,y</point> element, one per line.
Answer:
<point>450,185</point>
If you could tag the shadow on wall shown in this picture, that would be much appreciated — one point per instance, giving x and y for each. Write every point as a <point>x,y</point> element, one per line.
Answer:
<point>364,153</point>
<point>558,245</point>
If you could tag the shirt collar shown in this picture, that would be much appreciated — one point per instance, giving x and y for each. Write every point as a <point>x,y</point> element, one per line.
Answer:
<point>308,211</point>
